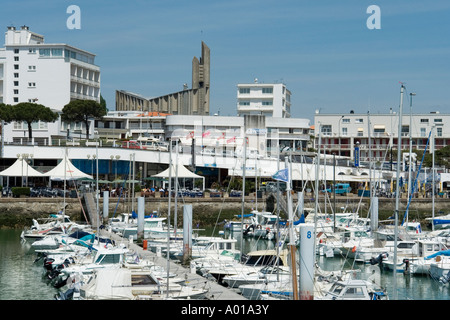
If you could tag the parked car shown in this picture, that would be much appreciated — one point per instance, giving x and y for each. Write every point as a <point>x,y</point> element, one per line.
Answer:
<point>132,145</point>
<point>341,188</point>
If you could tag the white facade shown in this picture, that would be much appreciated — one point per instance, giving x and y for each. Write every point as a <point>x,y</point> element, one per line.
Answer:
<point>49,74</point>
<point>271,100</point>
<point>340,133</point>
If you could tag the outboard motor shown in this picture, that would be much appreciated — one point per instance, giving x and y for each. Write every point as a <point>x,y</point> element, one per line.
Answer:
<point>379,259</point>
<point>61,282</point>
<point>48,263</point>
<point>406,267</point>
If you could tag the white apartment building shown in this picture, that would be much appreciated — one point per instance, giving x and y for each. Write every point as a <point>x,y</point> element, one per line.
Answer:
<point>49,74</point>
<point>341,133</point>
<point>271,100</point>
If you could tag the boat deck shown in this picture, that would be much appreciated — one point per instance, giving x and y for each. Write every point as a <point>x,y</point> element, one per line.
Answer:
<point>217,291</point>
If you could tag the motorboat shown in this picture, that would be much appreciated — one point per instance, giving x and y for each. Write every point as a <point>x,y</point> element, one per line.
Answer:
<point>254,261</point>
<point>127,284</point>
<point>355,289</point>
<point>55,224</point>
<point>208,247</point>
<point>266,274</point>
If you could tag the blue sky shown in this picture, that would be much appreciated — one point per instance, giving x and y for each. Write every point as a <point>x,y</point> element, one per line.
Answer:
<point>322,50</point>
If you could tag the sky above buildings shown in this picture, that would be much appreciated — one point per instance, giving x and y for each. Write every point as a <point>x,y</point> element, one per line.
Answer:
<point>327,52</point>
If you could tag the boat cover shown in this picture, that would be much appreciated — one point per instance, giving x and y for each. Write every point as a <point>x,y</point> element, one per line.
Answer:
<point>440,253</point>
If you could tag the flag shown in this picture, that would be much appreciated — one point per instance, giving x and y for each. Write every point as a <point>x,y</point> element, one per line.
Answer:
<point>282,175</point>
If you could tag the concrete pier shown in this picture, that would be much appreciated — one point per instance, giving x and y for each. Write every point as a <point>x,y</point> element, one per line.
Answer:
<point>216,291</point>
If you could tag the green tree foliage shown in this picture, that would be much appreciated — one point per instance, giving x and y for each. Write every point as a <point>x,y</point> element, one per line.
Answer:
<point>27,112</point>
<point>83,111</point>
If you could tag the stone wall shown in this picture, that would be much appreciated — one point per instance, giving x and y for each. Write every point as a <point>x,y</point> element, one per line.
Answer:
<point>18,212</point>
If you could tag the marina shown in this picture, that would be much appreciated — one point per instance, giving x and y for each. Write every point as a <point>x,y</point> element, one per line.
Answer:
<point>22,277</point>
<point>188,199</point>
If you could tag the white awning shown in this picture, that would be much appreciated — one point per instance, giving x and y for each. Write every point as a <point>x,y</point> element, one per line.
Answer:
<point>21,168</point>
<point>65,170</point>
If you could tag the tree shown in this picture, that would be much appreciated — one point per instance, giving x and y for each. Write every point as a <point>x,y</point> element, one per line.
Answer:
<point>28,112</point>
<point>83,111</point>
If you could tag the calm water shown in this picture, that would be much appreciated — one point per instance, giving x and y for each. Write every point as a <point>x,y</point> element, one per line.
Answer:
<point>21,278</point>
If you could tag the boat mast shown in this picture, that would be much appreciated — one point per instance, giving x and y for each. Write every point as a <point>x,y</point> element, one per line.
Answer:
<point>397,187</point>
<point>292,246</point>
<point>168,218</point>
<point>244,163</point>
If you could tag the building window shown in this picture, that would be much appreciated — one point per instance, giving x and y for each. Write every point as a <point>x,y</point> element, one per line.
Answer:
<point>16,51</point>
<point>32,84</point>
<point>16,58</point>
<point>32,50</point>
<point>405,130</point>
<point>326,130</point>
<point>16,67</point>
<point>18,125</point>
<point>44,52</point>
<point>16,91</point>
<point>360,132</point>
<point>423,120</point>
<point>31,68</point>
<point>345,120</point>
<point>244,90</point>
<point>267,103</point>
<point>57,52</point>
<point>16,83</point>
<point>16,75</point>
<point>439,132</point>
<point>16,99</point>
<point>360,120</point>
<point>344,131</point>
<point>244,103</point>
<point>438,120</point>
<point>267,90</point>
<point>423,132</point>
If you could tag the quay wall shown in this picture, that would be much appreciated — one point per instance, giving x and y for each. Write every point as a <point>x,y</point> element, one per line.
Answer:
<point>18,212</point>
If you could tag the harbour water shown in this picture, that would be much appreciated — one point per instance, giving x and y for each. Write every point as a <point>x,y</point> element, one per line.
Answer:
<point>21,278</point>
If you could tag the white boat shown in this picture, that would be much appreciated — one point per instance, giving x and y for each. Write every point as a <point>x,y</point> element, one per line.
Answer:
<point>440,268</point>
<point>208,247</point>
<point>264,224</point>
<point>441,222</point>
<point>282,289</point>
<point>418,260</point>
<point>255,260</point>
<point>97,259</point>
<point>264,275</point>
<point>53,225</point>
<point>127,284</point>
<point>154,228</point>
<point>355,289</point>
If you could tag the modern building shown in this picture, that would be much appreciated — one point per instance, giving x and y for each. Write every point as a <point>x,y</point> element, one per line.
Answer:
<point>194,101</point>
<point>271,100</point>
<point>51,74</point>
<point>377,134</point>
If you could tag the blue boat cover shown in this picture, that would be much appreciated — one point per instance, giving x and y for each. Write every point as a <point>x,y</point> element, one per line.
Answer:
<point>134,215</point>
<point>440,253</point>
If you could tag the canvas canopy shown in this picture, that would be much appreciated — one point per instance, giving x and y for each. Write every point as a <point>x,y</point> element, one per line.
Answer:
<point>65,170</point>
<point>182,172</point>
<point>21,168</point>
